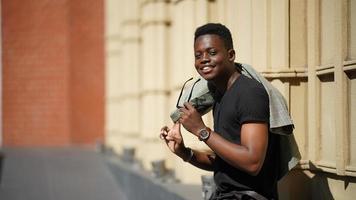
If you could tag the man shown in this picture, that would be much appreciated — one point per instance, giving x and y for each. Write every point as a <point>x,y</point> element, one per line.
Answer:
<point>244,158</point>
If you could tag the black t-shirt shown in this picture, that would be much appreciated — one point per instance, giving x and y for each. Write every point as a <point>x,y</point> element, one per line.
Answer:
<point>246,101</point>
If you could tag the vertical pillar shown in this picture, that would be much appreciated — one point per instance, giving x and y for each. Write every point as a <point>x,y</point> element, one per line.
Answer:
<point>298,63</point>
<point>0,78</point>
<point>259,34</point>
<point>351,59</point>
<point>182,36</point>
<point>279,34</point>
<point>243,34</point>
<point>219,11</point>
<point>130,69</point>
<point>202,12</point>
<point>278,42</point>
<point>313,60</point>
<point>114,75</point>
<point>154,78</point>
<point>326,77</point>
<point>237,16</point>
<point>342,144</point>
<point>298,34</point>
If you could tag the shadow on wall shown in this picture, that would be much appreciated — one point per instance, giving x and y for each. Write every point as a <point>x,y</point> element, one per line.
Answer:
<point>303,184</point>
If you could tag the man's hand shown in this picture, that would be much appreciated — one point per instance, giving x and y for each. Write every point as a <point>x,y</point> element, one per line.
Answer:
<point>191,119</point>
<point>174,140</point>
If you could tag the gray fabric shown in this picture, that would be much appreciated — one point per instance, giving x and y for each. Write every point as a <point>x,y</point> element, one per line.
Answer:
<point>201,99</point>
<point>202,103</point>
<point>288,154</point>
<point>280,121</point>
<point>279,115</point>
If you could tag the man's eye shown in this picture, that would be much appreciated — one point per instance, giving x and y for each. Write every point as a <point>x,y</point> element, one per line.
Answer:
<point>197,56</point>
<point>212,53</point>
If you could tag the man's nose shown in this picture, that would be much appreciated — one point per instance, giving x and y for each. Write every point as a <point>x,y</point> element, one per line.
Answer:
<point>206,58</point>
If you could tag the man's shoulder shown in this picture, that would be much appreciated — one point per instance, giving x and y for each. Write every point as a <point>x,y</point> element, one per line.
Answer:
<point>249,86</point>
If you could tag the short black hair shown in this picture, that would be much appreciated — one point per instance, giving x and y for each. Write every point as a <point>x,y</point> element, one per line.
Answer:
<point>217,29</point>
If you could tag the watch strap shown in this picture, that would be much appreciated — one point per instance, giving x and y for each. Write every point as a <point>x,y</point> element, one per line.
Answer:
<point>208,130</point>
<point>191,154</point>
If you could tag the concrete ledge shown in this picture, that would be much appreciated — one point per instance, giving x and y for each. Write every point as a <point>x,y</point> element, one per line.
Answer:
<point>70,173</point>
<point>138,184</point>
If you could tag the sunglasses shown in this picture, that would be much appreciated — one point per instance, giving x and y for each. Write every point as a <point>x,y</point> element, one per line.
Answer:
<point>190,94</point>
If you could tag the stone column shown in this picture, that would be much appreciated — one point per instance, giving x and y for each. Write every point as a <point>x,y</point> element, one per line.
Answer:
<point>243,32</point>
<point>325,72</point>
<point>350,66</point>
<point>154,79</point>
<point>278,46</point>
<point>341,102</point>
<point>298,97</point>
<point>113,40</point>
<point>123,78</point>
<point>259,35</point>
<point>1,130</point>
<point>313,61</point>
<point>130,73</point>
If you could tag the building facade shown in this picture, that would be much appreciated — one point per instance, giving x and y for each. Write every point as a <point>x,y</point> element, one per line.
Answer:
<point>306,48</point>
<point>52,73</point>
<point>69,68</point>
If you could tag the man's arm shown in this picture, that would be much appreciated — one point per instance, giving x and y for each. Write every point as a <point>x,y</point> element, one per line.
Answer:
<point>174,141</point>
<point>202,160</point>
<point>248,156</point>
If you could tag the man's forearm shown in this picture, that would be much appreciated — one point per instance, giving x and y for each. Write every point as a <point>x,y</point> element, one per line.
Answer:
<point>202,160</point>
<point>247,156</point>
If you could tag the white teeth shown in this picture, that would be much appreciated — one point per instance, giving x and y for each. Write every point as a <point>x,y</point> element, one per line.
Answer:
<point>206,69</point>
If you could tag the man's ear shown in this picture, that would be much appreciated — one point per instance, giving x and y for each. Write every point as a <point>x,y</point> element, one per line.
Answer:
<point>231,54</point>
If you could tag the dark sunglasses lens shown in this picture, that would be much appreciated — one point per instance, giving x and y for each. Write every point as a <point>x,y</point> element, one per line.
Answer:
<point>181,92</point>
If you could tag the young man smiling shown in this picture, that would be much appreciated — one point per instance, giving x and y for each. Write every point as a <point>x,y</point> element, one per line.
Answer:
<point>244,158</point>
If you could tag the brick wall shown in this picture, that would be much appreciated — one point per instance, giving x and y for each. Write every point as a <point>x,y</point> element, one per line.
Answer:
<point>87,57</point>
<point>52,72</point>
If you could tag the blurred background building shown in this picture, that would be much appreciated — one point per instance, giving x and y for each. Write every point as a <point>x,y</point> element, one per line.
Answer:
<point>52,72</point>
<point>79,72</point>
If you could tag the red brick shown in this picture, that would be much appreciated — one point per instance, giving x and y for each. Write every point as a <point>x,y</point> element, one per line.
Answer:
<point>87,53</point>
<point>53,72</point>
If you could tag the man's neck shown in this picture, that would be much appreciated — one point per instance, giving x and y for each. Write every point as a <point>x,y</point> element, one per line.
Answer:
<point>227,81</point>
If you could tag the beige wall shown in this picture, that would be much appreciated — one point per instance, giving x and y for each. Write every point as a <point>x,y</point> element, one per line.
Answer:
<point>306,48</point>
<point>1,135</point>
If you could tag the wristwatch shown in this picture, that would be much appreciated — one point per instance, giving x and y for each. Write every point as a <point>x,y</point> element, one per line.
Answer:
<point>204,134</point>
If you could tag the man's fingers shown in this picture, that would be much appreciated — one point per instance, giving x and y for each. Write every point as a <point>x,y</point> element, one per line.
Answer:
<point>176,126</point>
<point>183,111</point>
<point>188,106</point>
<point>162,136</point>
<point>164,132</point>
<point>165,128</point>
<point>166,138</point>
<point>180,120</point>
<point>169,138</point>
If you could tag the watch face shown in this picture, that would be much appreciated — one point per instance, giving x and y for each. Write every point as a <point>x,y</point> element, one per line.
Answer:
<point>204,134</point>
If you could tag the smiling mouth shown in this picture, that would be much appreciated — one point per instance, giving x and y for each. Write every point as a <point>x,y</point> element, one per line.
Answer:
<point>206,69</point>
